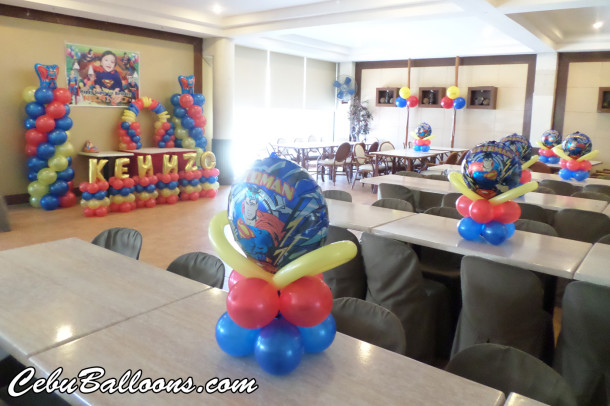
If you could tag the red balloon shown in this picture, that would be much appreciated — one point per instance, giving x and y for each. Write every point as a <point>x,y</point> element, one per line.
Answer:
<point>212,192</point>
<point>161,200</point>
<point>101,211</point>
<point>128,182</point>
<point>446,102</point>
<point>56,109</point>
<point>172,199</point>
<point>166,125</point>
<point>89,212</point>
<point>139,104</point>
<point>306,302</point>
<point>563,163</point>
<point>507,212</point>
<point>150,203</point>
<point>165,178</point>
<point>103,185</point>
<point>573,165</point>
<point>144,181</point>
<point>200,121</point>
<point>132,145</point>
<point>113,207</point>
<point>235,277</point>
<point>186,100</point>
<point>31,150</point>
<point>116,183</point>
<point>194,196</point>
<point>462,204</point>
<point>140,204</point>
<point>45,123</point>
<point>526,176</point>
<point>194,111</point>
<point>481,211</point>
<point>67,200</point>
<point>412,101</point>
<point>585,166</point>
<point>425,142</point>
<point>35,137</point>
<point>253,303</point>
<point>126,139</point>
<point>125,207</point>
<point>133,205</point>
<point>160,132</point>
<point>418,141</point>
<point>83,186</point>
<point>135,125</point>
<point>93,188</point>
<point>174,176</point>
<point>62,95</point>
<point>169,144</point>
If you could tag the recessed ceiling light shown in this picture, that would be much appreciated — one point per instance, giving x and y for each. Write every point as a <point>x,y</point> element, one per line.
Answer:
<point>217,9</point>
<point>598,25</point>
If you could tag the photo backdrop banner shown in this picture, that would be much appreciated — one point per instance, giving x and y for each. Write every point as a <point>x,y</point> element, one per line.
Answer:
<point>99,76</point>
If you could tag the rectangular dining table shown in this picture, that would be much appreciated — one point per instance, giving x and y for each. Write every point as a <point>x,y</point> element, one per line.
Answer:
<point>595,268</point>
<point>409,156</point>
<point>361,217</point>
<point>178,341</point>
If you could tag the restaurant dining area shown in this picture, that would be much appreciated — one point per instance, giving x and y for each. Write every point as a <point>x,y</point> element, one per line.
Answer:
<point>301,203</point>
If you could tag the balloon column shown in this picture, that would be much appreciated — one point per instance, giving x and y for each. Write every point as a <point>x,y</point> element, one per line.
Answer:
<point>405,99</point>
<point>575,152</point>
<point>188,116</point>
<point>452,99</point>
<point>47,141</point>
<point>522,148</point>
<point>489,181</point>
<point>423,135</point>
<point>129,128</point>
<point>550,139</point>
<point>277,307</point>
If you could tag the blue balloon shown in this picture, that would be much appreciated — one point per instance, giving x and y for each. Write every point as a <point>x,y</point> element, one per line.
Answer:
<point>178,143</point>
<point>187,122</point>
<point>131,132</point>
<point>34,109</point>
<point>112,191</point>
<point>495,232</point>
<point>279,347</point>
<point>89,196</point>
<point>459,103</point>
<point>554,160</point>
<point>417,148</point>
<point>172,185</point>
<point>35,164</point>
<point>234,339</point>
<point>510,229</point>
<point>400,102</point>
<point>161,144</point>
<point>179,112</point>
<point>125,125</point>
<point>136,138</point>
<point>29,123</point>
<point>469,229</point>
<point>100,195</point>
<point>576,145</point>
<point>49,202</point>
<point>32,176</point>
<point>64,123</point>
<point>138,145</point>
<point>59,188</point>
<point>150,188</point>
<point>196,132</point>
<point>45,150</point>
<point>199,99</point>
<point>161,185</point>
<point>67,107</point>
<point>550,138</point>
<point>194,182</point>
<point>43,95</point>
<point>57,137</point>
<point>175,100</point>
<point>319,337</point>
<point>69,158</point>
<point>543,159</point>
<point>581,175</point>
<point>66,175</point>
<point>166,138</point>
<point>124,191</point>
<point>565,173</point>
<point>425,148</point>
<point>170,131</point>
<point>159,109</point>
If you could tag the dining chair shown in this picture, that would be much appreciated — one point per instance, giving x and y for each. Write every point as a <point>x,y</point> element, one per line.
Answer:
<point>605,189</point>
<point>583,353</point>
<point>449,199</point>
<point>509,369</point>
<point>411,174</point>
<point>126,241</point>
<point>349,279</point>
<point>395,204</point>
<point>369,322</point>
<point>545,190</point>
<point>373,147</point>
<point>540,167</point>
<point>200,267</point>
<point>387,146</point>
<point>361,164</point>
<point>437,177</point>
<point>592,195</point>
<point>336,194</point>
<point>452,159</point>
<point>449,212</point>
<point>462,156</point>
<point>533,226</point>
<point>285,152</point>
<point>339,160</point>
<point>388,190</point>
<point>502,304</point>
<point>426,200</point>
<point>560,187</point>
<point>534,212</point>
<point>604,240</point>
<point>581,225</point>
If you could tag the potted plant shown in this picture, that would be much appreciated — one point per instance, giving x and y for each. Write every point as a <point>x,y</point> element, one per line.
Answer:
<point>359,119</point>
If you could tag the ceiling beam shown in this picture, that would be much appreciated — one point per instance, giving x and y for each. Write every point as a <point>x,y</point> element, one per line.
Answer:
<point>530,6</point>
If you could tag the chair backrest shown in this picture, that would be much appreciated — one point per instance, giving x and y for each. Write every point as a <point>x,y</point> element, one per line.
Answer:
<point>450,212</point>
<point>462,156</point>
<point>437,177</point>
<point>592,195</point>
<point>604,240</point>
<point>583,352</point>
<point>313,138</point>
<point>605,189</point>
<point>374,147</point>
<point>349,279</point>
<point>453,158</point>
<point>546,190</point>
<point>336,194</point>
<point>360,154</point>
<point>200,267</point>
<point>533,212</point>
<point>534,226</point>
<point>396,204</point>
<point>299,140</point>
<point>369,322</point>
<point>426,200</point>
<point>540,167</point>
<point>343,152</point>
<point>386,146</point>
<point>502,304</point>
<point>449,199</point>
<point>396,283</point>
<point>126,241</point>
<point>510,370</point>
<point>560,187</point>
<point>581,225</point>
<point>412,174</point>
<point>397,192</point>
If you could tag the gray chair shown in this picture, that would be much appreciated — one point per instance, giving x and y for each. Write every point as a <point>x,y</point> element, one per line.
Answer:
<point>449,212</point>
<point>349,279</point>
<point>396,204</point>
<point>592,195</point>
<point>581,225</point>
<point>369,322</point>
<point>502,304</point>
<point>583,348</point>
<point>410,173</point>
<point>437,177</point>
<point>4,224</point>
<point>533,226</point>
<point>337,195</point>
<point>426,200</point>
<point>387,190</point>
<point>559,187</point>
<point>533,212</point>
<point>200,267</point>
<point>604,240</point>
<point>605,189</point>
<point>449,199</point>
<point>546,190</point>
<point>508,370</point>
<point>126,241</point>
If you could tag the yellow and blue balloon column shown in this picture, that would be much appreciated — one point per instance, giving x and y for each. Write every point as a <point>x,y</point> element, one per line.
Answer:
<point>129,129</point>
<point>189,120</point>
<point>490,178</point>
<point>522,148</point>
<point>48,141</point>
<point>575,151</point>
<point>549,140</point>
<point>278,306</point>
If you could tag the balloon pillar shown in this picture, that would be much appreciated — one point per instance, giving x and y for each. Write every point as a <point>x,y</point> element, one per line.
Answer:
<point>188,116</point>
<point>406,100</point>
<point>278,307</point>
<point>48,141</point>
<point>452,100</point>
<point>550,139</point>
<point>575,152</point>
<point>489,181</point>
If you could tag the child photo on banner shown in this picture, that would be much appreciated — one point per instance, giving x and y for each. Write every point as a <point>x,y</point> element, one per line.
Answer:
<point>99,76</point>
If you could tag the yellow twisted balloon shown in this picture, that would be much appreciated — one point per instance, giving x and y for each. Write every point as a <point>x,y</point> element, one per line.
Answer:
<point>530,162</point>
<point>456,180</point>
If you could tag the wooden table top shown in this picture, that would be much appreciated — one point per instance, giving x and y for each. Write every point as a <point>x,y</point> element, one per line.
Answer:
<point>408,153</point>
<point>106,154</point>
<point>594,268</point>
<point>361,217</point>
<point>178,341</point>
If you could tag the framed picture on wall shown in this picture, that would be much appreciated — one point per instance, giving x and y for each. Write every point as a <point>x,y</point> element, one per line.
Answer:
<point>102,76</point>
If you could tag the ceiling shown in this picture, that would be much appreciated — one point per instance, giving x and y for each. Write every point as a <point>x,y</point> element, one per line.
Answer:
<point>364,30</point>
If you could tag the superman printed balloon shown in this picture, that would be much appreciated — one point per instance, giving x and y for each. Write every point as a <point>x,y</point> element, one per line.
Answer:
<point>490,169</point>
<point>550,138</point>
<point>520,146</point>
<point>576,145</point>
<point>277,213</point>
<point>423,130</point>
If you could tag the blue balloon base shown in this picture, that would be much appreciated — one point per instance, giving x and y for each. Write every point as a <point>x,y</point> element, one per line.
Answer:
<point>494,232</point>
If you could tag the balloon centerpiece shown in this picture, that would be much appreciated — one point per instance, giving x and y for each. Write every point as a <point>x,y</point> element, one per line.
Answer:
<point>489,181</point>
<point>452,99</point>
<point>277,307</point>
<point>423,135</point>
<point>522,148</point>
<point>549,140</point>
<point>405,99</point>
<point>575,151</point>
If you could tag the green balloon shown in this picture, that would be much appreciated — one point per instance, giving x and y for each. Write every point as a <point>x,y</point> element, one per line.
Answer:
<point>35,201</point>
<point>47,176</point>
<point>57,163</point>
<point>37,189</point>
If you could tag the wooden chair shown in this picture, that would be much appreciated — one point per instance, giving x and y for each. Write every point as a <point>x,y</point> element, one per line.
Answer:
<point>285,152</point>
<point>540,167</point>
<point>361,164</point>
<point>339,160</point>
<point>373,147</point>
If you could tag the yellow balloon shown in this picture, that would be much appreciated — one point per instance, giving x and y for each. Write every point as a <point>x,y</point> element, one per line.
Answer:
<point>117,199</point>
<point>46,176</point>
<point>130,198</point>
<point>58,163</point>
<point>559,152</point>
<point>229,254</point>
<point>189,189</point>
<point>84,203</point>
<point>541,145</point>
<point>514,193</point>
<point>453,92</point>
<point>37,189</point>
<point>155,194</point>
<point>28,96</point>
<point>158,125</point>
<point>177,122</point>
<point>144,196</point>
<point>106,201</point>
<point>315,262</point>
<point>66,149</point>
<point>530,162</point>
<point>404,92</point>
<point>188,143</point>
<point>166,192</point>
<point>589,156</point>
<point>428,137</point>
<point>94,204</point>
<point>35,201</point>
<point>456,180</point>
